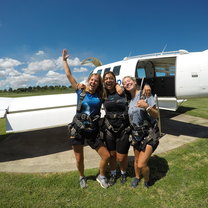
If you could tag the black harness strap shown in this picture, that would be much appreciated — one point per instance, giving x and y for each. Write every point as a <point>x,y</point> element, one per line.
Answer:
<point>81,98</point>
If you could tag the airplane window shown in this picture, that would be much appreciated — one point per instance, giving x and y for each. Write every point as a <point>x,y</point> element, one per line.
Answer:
<point>140,73</point>
<point>165,71</point>
<point>116,70</point>
<point>107,70</point>
<point>99,71</point>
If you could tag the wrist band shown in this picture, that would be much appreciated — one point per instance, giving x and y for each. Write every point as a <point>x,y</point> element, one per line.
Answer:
<point>148,108</point>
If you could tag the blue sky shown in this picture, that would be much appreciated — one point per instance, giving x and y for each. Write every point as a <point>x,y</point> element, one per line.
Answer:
<point>34,32</point>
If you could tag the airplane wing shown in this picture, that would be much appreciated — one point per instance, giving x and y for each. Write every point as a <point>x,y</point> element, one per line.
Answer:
<point>38,112</point>
<point>4,105</point>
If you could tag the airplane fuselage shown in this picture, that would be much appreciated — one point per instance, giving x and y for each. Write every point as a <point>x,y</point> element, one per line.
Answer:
<point>173,76</point>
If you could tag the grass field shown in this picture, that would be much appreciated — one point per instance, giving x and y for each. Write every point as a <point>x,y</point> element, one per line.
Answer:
<point>195,107</point>
<point>180,175</point>
<point>2,126</point>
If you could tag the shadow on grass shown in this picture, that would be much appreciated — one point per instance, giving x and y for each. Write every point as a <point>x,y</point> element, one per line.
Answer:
<point>3,137</point>
<point>33,144</point>
<point>158,168</point>
<point>182,109</point>
<point>49,141</point>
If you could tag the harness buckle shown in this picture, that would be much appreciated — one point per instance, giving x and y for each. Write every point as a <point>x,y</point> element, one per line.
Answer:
<point>84,116</point>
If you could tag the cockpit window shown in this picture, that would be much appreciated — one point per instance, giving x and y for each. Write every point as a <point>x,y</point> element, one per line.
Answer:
<point>99,71</point>
<point>106,70</point>
<point>116,70</point>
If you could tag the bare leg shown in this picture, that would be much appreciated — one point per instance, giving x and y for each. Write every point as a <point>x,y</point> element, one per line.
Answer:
<point>113,162</point>
<point>143,160</point>
<point>105,156</point>
<point>136,159</point>
<point>123,161</point>
<point>79,155</point>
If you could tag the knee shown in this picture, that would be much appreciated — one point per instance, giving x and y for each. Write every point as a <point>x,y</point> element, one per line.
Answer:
<point>113,154</point>
<point>106,156</point>
<point>121,159</point>
<point>141,165</point>
<point>136,161</point>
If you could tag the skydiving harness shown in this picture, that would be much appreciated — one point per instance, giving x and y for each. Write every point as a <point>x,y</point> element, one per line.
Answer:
<point>144,133</point>
<point>81,98</point>
<point>81,120</point>
<point>138,132</point>
<point>123,116</point>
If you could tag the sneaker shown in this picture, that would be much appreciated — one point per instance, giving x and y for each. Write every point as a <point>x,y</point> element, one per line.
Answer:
<point>112,180</point>
<point>102,181</point>
<point>123,178</point>
<point>135,182</point>
<point>83,183</point>
<point>147,184</point>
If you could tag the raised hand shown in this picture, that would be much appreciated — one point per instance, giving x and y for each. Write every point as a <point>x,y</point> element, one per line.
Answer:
<point>65,55</point>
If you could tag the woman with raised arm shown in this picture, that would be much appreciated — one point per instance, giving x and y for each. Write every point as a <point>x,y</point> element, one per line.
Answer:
<point>85,123</point>
<point>145,133</point>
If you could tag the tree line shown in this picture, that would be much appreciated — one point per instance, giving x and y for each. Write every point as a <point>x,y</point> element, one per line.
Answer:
<point>37,88</point>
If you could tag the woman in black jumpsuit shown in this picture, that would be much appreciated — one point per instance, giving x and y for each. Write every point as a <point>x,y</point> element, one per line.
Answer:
<point>116,127</point>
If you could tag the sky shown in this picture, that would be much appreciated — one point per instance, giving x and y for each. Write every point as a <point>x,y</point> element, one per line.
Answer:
<point>33,34</point>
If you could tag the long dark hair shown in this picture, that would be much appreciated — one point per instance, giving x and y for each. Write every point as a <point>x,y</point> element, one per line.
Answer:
<point>106,92</point>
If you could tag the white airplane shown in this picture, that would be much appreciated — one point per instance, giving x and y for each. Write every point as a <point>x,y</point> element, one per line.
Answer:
<point>174,76</point>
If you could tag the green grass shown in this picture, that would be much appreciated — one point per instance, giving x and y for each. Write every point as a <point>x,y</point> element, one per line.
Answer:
<point>181,182</point>
<point>2,126</point>
<point>195,107</point>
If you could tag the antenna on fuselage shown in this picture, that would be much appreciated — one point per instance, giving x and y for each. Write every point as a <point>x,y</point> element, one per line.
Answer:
<point>129,54</point>
<point>164,48</point>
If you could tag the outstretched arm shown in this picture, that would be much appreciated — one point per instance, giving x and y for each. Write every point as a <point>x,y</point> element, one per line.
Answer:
<point>67,69</point>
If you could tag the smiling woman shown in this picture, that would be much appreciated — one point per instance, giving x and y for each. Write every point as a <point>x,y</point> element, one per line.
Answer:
<point>85,125</point>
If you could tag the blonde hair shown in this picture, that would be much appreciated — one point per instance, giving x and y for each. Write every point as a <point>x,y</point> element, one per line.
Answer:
<point>132,78</point>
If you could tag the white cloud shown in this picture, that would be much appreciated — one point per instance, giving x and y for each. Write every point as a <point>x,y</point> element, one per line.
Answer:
<point>74,62</point>
<point>53,78</point>
<point>9,63</point>
<point>7,67</point>
<point>16,74</point>
<point>21,80</point>
<point>44,65</point>
<point>81,69</point>
<point>12,72</point>
<point>2,73</point>
<point>39,53</point>
<point>49,64</point>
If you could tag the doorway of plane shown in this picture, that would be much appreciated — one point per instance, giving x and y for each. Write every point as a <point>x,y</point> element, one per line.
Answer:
<point>159,74</point>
